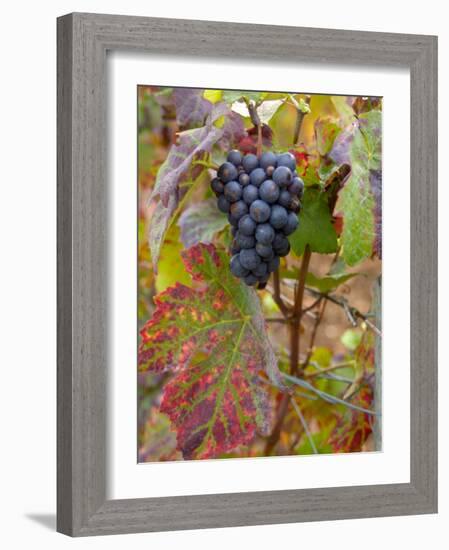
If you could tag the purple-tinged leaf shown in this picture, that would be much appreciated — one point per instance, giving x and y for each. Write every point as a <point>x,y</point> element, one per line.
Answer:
<point>340,152</point>
<point>200,222</point>
<point>221,125</point>
<point>191,107</point>
<point>213,339</point>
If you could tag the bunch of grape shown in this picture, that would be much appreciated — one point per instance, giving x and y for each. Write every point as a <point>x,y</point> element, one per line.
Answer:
<point>261,196</point>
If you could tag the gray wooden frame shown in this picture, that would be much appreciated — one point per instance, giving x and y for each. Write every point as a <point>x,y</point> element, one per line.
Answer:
<point>83,40</point>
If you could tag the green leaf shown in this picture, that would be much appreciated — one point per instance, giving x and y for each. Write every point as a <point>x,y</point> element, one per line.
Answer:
<point>212,338</point>
<point>171,268</point>
<point>356,200</point>
<point>329,282</point>
<point>326,130</point>
<point>315,225</point>
<point>200,222</point>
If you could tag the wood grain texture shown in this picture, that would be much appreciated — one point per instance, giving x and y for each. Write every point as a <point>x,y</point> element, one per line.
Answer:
<point>83,40</point>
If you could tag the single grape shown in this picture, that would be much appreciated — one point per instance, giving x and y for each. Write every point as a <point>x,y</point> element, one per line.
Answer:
<point>257,176</point>
<point>250,194</point>
<point>217,186</point>
<point>268,159</point>
<point>264,233</point>
<point>282,176</point>
<point>269,191</point>
<point>249,258</point>
<point>227,172</point>
<point>238,209</point>
<point>261,270</point>
<point>296,187</point>
<point>233,230</point>
<point>234,221</point>
<point>233,191</point>
<point>284,198</point>
<point>251,279</point>
<point>223,204</point>
<point>250,162</point>
<point>259,211</point>
<point>265,251</point>
<point>247,225</point>
<point>244,179</point>
<point>235,157</point>
<point>263,281</point>
<point>288,160</point>
<point>273,264</point>
<point>291,225</point>
<point>245,241</point>
<point>236,267</point>
<point>281,246</point>
<point>279,216</point>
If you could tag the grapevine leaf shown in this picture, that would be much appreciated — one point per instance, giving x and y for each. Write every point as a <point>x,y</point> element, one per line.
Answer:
<point>191,145</point>
<point>170,268</point>
<point>326,131</point>
<point>191,107</point>
<point>213,95</point>
<point>356,201</point>
<point>340,152</point>
<point>351,433</point>
<point>200,222</point>
<point>212,338</point>
<point>315,225</point>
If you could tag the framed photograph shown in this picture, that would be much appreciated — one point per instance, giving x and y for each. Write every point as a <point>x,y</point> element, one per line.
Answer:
<point>247,274</point>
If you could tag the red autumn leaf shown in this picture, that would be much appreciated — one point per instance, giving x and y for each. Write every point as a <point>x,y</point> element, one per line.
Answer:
<point>212,338</point>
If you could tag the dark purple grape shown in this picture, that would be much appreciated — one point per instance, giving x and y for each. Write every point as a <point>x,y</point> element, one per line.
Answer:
<point>247,225</point>
<point>257,176</point>
<point>235,157</point>
<point>238,209</point>
<point>223,204</point>
<point>233,230</point>
<point>264,233</point>
<point>265,251</point>
<point>236,267</point>
<point>288,160</point>
<point>296,187</point>
<point>250,194</point>
<point>291,225</point>
<point>263,281</point>
<point>245,241</point>
<point>251,279</point>
<point>279,216</point>
<point>250,162</point>
<point>259,211</point>
<point>249,258</point>
<point>233,220</point>
<point>217,186</point>
<point>284,198</point>
<point>244,179</point>
<point>227,172</point>
<point>282,176</point>
<point>281,246</point>
<point>233,191</point>
<point>269,191</point>
<point>268,159</point>
<point>261,270</point>
<point>273,264</point>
